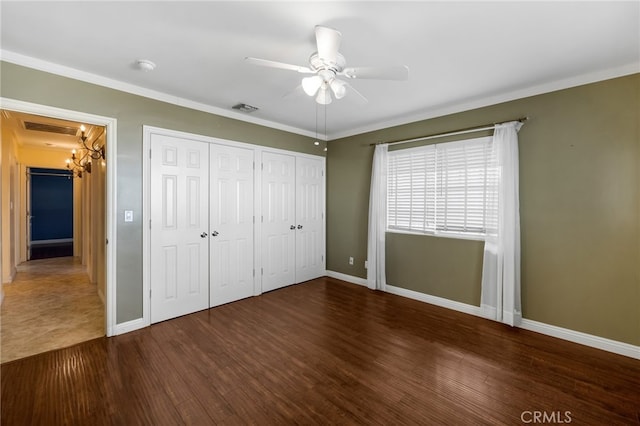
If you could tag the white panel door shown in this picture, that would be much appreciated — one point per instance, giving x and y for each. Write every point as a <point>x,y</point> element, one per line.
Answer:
<point>278,220</point>
<point>309,218</point>
<point>179,185</point>
<point>232,224</point>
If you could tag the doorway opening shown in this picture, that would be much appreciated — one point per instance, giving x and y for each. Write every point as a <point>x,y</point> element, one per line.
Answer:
<point>50,215</point>
<point>60,224</point>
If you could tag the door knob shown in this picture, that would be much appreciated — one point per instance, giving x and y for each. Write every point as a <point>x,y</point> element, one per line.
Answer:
<point>292,227</point>
<point>214,233</point>
<point>203,235</point>
<point>299,226</point>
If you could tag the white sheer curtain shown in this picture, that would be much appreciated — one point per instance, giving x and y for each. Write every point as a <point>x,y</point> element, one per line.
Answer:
<point>376,275</point>
<point>501,264</point>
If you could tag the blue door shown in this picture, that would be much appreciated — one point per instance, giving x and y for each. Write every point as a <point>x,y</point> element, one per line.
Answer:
<point>51,213</point>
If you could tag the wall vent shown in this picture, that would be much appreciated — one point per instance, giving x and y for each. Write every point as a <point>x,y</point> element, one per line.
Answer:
<point>50,128</point>
<point>245,108</point>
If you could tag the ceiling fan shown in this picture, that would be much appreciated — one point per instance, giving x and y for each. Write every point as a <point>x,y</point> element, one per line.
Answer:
<point>327,64</point>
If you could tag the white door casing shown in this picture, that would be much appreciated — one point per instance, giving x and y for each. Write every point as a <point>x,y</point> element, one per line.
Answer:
<point>179,187</point>
<point>112,328</point>
<point>232,223</point>
<point>309,218</point>
<point>278,220</point>
<point>28,203</point>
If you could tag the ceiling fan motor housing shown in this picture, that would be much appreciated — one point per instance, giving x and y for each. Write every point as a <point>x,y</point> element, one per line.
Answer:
<point>318,64</point>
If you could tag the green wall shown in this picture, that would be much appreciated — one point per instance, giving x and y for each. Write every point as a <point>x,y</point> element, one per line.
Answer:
<point>132,112</point>
<point>579,191</point>
<point>579,207</point>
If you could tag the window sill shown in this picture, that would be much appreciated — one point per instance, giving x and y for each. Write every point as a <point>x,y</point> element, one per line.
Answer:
<point>453,235</point>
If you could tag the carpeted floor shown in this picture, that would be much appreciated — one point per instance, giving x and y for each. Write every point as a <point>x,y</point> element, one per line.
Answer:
<point>50,305</point>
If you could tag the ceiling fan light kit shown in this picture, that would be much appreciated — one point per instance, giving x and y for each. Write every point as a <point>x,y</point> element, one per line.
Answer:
<point>339,88</point>
<point>328,64</point>
<point>324,97</point>
<point>310,85</point>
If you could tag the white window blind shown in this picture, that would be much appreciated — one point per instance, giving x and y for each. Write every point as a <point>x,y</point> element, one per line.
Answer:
<point>448,188</point>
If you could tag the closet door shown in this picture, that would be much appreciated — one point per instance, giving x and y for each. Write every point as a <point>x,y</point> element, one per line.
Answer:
<point>232,223</point>
<point>278,220</point>
<point>309,219</point>
<point>179,185</point>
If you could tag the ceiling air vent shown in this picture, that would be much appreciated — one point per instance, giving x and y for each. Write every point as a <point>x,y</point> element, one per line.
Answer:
<point>50,128</point>
<point>245,108</point>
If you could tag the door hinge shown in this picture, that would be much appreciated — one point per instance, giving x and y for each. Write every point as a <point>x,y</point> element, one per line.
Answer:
<point>254,272</point>
<point>149,293</point>
<point>107,241</point>
<point>261,271</point>
<point>261,218</point>
<point>254,165</point>
<point>261,166</point>
<point>149,154</point>
<point>149,223</point>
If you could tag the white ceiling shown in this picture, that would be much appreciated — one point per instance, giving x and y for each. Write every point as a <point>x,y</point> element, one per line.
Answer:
<point>461,55</point>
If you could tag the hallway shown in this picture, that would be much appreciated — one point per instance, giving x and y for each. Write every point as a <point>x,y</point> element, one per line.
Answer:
<point>50,305</point>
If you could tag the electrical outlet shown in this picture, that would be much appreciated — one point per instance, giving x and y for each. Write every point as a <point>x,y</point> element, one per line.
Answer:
<point>350,260</point>
<point>366,264</point>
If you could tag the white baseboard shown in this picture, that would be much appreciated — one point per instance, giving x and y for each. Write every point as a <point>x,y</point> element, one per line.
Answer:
<point>597,342</point>
<point>348,278</point>
<point>12,276</point>
<point>128,326</point>
<point>56,241</point>
<point>585,339</point>
<point>435,300</point>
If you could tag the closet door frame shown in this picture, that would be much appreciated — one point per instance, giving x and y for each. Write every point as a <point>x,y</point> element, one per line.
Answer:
<point>257,230</point>
<point>299,274</point>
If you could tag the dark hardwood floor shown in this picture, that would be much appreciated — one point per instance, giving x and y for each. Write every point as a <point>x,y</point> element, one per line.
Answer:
<point>323,352</point>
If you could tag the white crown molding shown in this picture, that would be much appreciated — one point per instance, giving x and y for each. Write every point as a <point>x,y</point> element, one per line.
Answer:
<point>64,71</point>
<point>439,111</point>
<point>587,78</point>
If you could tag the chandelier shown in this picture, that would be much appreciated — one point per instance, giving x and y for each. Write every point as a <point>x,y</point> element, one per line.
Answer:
<point>94,150</point>
<point>80,161</point>
<point>78,164</point>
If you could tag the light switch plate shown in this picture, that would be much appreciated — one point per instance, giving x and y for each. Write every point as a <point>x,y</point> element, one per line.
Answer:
<point>128,215</point>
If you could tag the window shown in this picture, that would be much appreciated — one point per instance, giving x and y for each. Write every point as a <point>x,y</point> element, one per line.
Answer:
<point>443,189</point>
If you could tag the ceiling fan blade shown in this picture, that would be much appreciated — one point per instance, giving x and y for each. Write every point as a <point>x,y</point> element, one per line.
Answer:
<point>360,97</point>
<point>328,42</point>
<point>378,73</point>
<point>274,64</point>
<point>297,92</point>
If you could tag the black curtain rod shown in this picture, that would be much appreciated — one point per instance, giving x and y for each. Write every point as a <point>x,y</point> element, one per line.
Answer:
<point>451,133</point>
